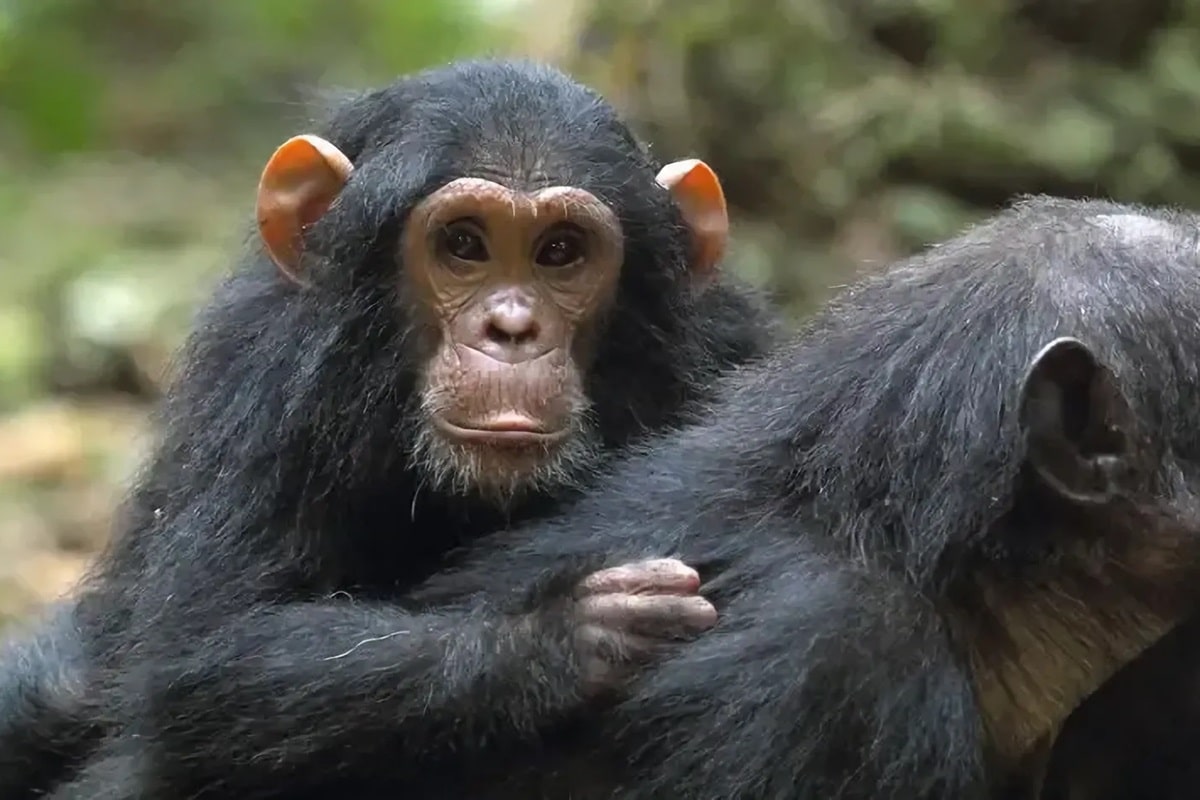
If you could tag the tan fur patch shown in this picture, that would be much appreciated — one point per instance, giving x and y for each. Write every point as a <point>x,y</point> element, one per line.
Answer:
<point>1045,638</point>
<point>1062,649</point>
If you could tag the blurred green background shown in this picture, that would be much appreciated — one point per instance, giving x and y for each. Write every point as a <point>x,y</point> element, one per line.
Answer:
<point>846,132</point>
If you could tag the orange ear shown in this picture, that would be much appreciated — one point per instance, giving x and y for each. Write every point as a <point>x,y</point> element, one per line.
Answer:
<point>698,193</point>
<point>300,181</point>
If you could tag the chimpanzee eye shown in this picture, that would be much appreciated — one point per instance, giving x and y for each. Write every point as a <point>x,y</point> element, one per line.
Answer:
<point>464,242</point>
<point>563,247</point>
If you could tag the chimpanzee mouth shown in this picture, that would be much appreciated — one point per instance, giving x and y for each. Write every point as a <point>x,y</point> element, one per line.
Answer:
<point>509,430</point>
<point>501,457</point>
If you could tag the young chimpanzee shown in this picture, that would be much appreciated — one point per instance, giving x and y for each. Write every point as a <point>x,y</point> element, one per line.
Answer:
<point>959,502</point>
<point>489,287</point>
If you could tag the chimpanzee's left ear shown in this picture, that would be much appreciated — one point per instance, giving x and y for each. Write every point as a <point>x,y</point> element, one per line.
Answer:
<point>1080,431</point>
<point>698,193</point>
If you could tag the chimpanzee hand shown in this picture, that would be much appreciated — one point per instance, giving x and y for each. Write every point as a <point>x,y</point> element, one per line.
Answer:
<point>624,615</point>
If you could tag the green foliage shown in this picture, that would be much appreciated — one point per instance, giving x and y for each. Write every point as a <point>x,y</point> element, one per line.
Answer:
<point>864,129</point>
<point>151,76</point>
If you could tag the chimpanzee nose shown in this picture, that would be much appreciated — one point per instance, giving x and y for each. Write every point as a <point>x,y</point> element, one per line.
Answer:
<point>512,324</point>
<point>512,331</point>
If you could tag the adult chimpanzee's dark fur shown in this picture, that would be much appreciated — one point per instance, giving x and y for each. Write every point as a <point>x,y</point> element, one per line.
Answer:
<point>910,607</point>
<point>281,515</point>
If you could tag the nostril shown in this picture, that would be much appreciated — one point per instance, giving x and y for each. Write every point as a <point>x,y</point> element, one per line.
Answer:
<point>511,334</point>
<point>498,334</point>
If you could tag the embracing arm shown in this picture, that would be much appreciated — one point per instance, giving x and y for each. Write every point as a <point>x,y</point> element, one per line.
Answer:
<point>292,696</point>
<point>285,691</point>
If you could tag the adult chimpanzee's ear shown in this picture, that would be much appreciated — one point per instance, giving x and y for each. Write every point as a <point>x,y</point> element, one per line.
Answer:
<point>300,181</point>
<point>698,193</point>
<point>1079,429</point>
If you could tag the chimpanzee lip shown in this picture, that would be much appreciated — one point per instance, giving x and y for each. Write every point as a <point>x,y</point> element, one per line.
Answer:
<point>509,430</point>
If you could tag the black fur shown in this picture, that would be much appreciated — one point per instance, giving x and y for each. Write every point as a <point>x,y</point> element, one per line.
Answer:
<point>245,623</point>
<point>44,718</point>
<point>863,511</point>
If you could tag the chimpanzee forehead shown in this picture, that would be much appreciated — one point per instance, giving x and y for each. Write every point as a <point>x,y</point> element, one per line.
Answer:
<point>539,162</point>
<point>527,127</point>
<point>553,153</point>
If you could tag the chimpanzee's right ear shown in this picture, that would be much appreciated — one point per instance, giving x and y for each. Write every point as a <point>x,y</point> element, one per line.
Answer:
<point>700,198</point>
<point>299,183</point>
<point>1081,434</point>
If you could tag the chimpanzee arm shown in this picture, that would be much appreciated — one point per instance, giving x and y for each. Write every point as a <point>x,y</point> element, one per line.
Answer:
<point>290,695</point>
<point>294,695</point>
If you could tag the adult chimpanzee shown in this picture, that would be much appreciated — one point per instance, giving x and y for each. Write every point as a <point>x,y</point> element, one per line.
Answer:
<point>490,287</point>
<point>962,499</point>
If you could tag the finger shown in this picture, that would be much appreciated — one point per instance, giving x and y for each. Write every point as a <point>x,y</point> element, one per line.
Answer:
<point>650,615</point>
<point>657,576</point>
